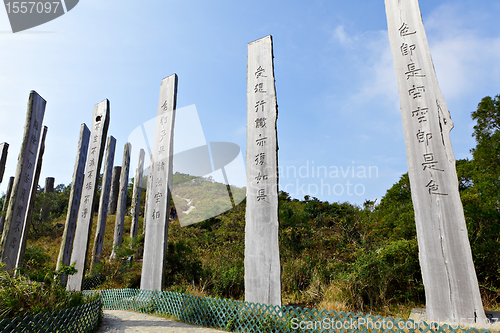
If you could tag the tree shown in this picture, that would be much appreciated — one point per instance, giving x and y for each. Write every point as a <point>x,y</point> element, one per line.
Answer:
<point>487,151</point>
<point>480,192</point>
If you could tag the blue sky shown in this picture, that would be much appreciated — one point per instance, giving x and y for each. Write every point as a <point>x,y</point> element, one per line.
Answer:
<point>335,82</point>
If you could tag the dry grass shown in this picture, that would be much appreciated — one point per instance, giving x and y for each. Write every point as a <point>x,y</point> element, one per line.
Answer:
<point>166,316</point>
<point>332,300</point>
<point>51,242</point>
<point>319,296</point>
<point>490,297</point>
<point>197,291</point>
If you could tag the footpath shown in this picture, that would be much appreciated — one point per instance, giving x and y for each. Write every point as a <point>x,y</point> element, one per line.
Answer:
<point>131,322</point>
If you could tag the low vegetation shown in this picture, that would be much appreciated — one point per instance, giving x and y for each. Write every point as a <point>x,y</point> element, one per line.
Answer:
<point>334,256</point>
<point>20,295</point>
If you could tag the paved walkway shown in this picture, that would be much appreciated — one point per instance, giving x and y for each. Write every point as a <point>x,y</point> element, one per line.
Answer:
<point>132,322</point>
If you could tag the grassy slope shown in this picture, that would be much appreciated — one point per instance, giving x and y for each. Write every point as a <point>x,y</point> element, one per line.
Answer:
<point>322,247</point>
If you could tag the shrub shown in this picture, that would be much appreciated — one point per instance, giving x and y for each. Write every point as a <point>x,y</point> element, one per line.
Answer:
<point>20,296</point>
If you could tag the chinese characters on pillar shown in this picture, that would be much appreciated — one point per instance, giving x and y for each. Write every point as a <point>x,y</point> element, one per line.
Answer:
<point>262,263</point>
<point>261,111</point>
<point>157,195</point>
<point>22,186</point>
<point>450,282</point>
<point>90,171</point>
<point>20,209</point>
<point>100,124</point>
<point>161,156</point>
<point>416,78</point>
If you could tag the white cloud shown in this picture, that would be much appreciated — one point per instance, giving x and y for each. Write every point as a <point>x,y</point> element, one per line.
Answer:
<point>465,63</point>
<point>465,57</point>
<point>340,35</point>
<point>380,83</point>
<point>371,65</point>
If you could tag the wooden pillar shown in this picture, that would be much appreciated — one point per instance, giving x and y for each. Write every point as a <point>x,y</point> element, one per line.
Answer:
<point>21,189</point>
<point>49,185</point>
<point>100,123</point>
<point>262,259</point>
<point>103,202</point>
<point>150,175</point>
<point>6,203</point>
<point>122,201</point>
<point>115,189</point>
<point>4,149</point>
<point>136,195</point>
<point>159,182</point>
<point>450,282</point>
<point>74,201</point>
<point>8,193</point>
<point>29,212</point>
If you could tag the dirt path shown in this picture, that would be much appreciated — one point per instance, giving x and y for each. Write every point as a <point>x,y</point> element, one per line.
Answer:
<point>131,322</point>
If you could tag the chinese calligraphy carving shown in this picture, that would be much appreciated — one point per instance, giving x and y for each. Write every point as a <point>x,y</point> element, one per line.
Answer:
<point>260,123</point>
<point>413,71</point>
<point>416,92</point>
<point>423,137</point>
<point>259,88</point>
<point>22,189</point>
<point>451,288</point>
<point>260,72</point>
<point>407,49</point>
<point>74,201</point>
<point>263,283</point>
<point>100,124</point>
<point>158,193</point>
<point>404,30</point>
<point>259,104</point>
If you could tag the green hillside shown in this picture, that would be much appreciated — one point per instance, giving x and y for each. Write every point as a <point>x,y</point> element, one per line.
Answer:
<point>335,256</point>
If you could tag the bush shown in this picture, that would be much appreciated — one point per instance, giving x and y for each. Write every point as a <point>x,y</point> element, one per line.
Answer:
<point>20,296</point>
<point>48,207</point>
<point>122,272</point>
<point>390,273</point>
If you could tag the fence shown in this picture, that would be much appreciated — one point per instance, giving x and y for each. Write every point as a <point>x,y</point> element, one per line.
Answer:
<point>93,282</point>
<point>241,316</point>
<point>79,319</point>
<point>236,316</point>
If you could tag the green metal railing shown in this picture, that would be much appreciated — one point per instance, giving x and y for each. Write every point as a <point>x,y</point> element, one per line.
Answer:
<point>238,316</point>
<point>79,319</point>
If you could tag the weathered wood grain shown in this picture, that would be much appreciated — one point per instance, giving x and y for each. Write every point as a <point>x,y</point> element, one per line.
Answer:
<point>103,202</point>
<point>158,194</point>
<point>74,201</point>
<point>21,189</point>
<point>262,260</point>
<point>451,288</point>
<point>100,124</point>
<point>136,195</point>
<point>122,200</point>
